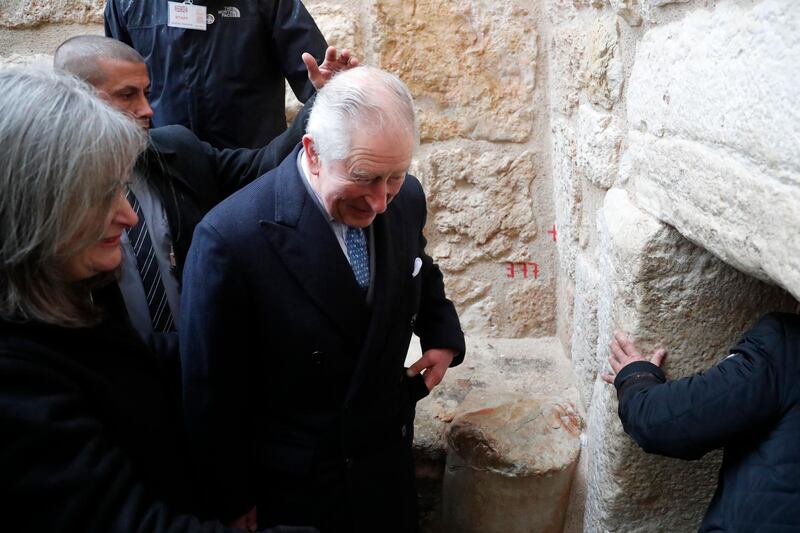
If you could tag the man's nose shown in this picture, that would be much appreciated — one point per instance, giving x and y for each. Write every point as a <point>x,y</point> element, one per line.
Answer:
<point>143,109</point>
<point>377,197</point>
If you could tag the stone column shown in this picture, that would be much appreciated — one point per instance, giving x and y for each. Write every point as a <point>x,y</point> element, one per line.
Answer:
<point>510,463</point>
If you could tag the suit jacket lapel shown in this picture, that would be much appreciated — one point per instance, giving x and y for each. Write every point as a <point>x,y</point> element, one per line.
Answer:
<point>306,244</point>
<point>388,232</point>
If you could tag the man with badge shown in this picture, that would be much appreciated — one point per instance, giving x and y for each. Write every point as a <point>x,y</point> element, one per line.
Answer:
<point>219,67</point>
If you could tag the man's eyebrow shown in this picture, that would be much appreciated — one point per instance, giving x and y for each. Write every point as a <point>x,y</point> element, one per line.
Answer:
<point>128,88</point>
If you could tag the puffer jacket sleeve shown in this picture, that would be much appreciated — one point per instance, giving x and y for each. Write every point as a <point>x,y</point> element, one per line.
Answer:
<point>686,418</point>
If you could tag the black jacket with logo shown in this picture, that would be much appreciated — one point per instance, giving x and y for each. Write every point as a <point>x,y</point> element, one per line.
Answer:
<point>749,404</point>
<point>226,83</point>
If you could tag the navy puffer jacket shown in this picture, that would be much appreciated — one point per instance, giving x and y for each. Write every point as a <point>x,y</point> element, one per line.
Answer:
<point>749,405</point>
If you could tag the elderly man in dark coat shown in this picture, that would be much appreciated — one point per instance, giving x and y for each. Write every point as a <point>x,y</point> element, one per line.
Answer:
<point>304,289</point>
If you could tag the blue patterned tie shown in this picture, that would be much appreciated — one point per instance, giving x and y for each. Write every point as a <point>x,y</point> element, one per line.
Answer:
<point>146,260</point>
<point>359,258</point>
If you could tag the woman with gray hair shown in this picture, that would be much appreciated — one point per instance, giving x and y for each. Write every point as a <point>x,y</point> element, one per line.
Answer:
<point>91,432</point>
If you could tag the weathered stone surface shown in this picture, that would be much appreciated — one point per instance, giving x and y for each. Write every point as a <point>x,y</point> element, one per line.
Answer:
<point>714,157</point>
<point>585,362</point>
<point>628,10</point>
<point>566,49</point>
<point>510,463</point>
<point>478,205</point>
<point>652,10</point>
<point>532,367</point>
<point>442,49</point>
<point>601,68</point>
<point>663,290</point>
<point>526,366</point>
<point>567,194</point>
<point>15,60</point>
<point>41,40</point>
<point>528,309</point>
<point>598,143</point>
<point>30,13</point>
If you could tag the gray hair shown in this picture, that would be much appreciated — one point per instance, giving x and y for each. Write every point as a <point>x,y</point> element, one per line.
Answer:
<point>79,55</point>
<point>64,154</point>
<point>366,98</point>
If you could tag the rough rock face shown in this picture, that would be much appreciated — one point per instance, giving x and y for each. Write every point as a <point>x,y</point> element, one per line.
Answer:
<point>510,463</point>
<point>441,50</point>
<point>736,185</point>
<point>30,13</point>
<point>523,368</point>
<point>664,291</point>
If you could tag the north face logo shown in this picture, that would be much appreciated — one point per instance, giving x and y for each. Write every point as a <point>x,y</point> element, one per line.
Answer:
<point>230,12</point>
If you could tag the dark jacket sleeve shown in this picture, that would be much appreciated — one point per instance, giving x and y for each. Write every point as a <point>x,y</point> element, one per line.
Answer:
<point>59,469</point>
<point>437,323</point>
<point>214,368</point>
<point>294,32</point>
<point>217,173</point>
<point>115,23</point>
<point>686,418</point>
<point>235,168</point>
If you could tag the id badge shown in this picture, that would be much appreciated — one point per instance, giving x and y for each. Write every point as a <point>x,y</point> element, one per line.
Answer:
<point>187,16</point>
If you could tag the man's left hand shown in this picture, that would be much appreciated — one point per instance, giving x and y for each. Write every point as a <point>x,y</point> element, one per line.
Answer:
<point>433,364</point>
<point>319,75</point>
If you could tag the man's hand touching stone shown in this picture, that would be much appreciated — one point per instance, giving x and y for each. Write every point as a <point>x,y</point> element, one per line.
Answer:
<point>433,364</point>
<point>319,75</point>
<point>624,352</point>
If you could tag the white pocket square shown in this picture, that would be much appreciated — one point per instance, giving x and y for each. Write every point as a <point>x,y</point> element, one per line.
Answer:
<point>417,267</point>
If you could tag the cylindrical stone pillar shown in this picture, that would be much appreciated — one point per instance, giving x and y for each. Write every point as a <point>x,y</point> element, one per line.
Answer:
<point>510,463</point>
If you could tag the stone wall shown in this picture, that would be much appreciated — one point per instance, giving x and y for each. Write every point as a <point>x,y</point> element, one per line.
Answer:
<point>676,181</point>
<point>633,164</point>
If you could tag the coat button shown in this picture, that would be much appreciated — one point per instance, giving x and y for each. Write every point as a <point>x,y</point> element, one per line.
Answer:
<point>316,357</point>
<point>403,431</point>
<point>413,319</point>
<point>348,462</point>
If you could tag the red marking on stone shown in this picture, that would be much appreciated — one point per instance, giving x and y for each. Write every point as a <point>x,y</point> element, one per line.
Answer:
<point>553,232</point>
<point>528,269</point>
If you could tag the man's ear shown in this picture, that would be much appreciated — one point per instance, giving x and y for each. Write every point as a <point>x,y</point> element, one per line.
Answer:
<point>312,157</point>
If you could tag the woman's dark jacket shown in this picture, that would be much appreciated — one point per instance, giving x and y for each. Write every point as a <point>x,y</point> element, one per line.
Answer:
<point>90,433</point>
<point>749,404</point>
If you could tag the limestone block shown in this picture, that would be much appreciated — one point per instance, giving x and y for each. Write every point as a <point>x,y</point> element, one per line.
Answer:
<point>337,23</point>
<point>559,11</point>
<point>628,10</point>
<point>30,13</point>
<point>585,362</point>
<point>650,8</point>
<point>510,463</point>
<point>714,149</point>
<point>470,65</point>
<point>567,194</point>
<point>16,60</point>
<point>602,68</point>
<point>664,291</point>
<point>566,49</point>
<point>478,205</point>
<point>41,40</point>
<point>528,309</point>
<point>599,139</point>
<point>531,367</point>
